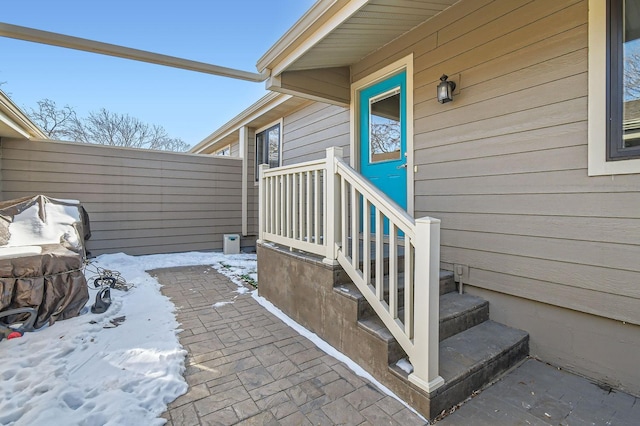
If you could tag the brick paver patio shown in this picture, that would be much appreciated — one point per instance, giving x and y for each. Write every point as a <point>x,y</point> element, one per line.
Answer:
<point>245,366</point>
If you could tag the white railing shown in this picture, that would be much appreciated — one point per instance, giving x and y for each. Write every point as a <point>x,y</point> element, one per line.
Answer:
<point>326,208</point>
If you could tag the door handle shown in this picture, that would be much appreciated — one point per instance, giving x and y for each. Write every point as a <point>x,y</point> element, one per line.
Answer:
<point>402,166</point>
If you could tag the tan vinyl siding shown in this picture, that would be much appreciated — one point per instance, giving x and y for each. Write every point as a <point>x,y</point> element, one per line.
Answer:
<point>504,166</point>
<point>139,202</point>
<point>235,149</point>
<point>309,131</point>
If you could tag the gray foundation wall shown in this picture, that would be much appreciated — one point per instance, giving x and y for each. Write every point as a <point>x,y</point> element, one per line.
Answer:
<point>599,348</point>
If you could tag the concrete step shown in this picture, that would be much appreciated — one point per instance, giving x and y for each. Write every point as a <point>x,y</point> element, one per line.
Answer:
<point>348,288</point>
<point>374,326</point>
<point>447,284</point>
<point>473,349</point>
<point>460,312</point>
<point>471,359</point>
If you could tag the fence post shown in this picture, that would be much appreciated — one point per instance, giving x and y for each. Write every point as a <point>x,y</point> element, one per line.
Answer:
<point>427,297</point>
<point>331,205</point>
<point>262,202</point>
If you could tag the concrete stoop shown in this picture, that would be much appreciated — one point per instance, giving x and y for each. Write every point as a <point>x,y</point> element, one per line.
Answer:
<point>473,349</point>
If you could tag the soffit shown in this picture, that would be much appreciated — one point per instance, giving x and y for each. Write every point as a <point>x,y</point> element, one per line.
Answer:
<point>375,24</point>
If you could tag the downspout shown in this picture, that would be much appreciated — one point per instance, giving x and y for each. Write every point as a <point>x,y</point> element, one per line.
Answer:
<point>70,42</point>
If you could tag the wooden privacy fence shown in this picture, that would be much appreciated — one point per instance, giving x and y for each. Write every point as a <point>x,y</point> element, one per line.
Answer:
<point>139,201</point>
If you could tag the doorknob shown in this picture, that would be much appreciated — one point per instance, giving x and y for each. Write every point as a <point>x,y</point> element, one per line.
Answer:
<point>402,166</point>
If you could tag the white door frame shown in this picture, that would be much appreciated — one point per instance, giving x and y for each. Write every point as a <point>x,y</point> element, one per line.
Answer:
<point>405,63</point>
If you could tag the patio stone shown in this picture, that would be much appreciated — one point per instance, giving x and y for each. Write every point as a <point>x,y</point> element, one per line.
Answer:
<point>246,409</point>
<point>296,419</point>
<point>341,412</point>
<point>247,367</point>
<point>185,415</point>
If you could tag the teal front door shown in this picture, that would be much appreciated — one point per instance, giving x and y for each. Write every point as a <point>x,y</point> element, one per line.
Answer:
<point>383,136</point>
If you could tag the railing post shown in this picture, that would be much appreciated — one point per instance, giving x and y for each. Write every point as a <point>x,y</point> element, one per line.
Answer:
<point>331,206</point>
<point>262,202</point>
<point>427,299</point>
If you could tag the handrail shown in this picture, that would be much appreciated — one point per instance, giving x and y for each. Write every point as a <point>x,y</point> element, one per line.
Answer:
<point>315,164</point>
<point>389,207</point>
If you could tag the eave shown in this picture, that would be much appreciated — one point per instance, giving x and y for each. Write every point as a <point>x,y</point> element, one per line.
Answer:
<point>335,34</point>
<point>14,123</point>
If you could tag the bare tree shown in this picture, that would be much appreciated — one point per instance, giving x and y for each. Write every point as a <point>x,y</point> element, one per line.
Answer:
<point>103,127</point>
<point>632,73</point>
<point>385,136</point>
<point>55,122</point>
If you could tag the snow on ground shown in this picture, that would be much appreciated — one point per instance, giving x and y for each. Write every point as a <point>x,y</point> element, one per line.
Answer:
<point>121,367</point>
<point>124,366</point>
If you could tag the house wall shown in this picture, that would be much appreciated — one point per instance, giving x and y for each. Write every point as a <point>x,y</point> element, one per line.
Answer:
<point>504,166</point>
<point>309,131</point>
<point>139,202</point>
<point>235,149</point>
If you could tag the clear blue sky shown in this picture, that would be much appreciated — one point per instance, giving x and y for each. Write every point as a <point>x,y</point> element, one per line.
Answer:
<point>187,104</point>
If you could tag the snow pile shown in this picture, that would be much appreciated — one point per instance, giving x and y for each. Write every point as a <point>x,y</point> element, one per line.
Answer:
<point>28,229</point>
<point>405,365</point>
<point>120,367</point>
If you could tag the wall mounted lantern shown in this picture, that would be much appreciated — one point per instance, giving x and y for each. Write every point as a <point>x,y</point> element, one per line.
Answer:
<point>445,89</point>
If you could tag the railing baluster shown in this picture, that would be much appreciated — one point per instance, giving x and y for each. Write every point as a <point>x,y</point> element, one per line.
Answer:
<point>300,209</point>
<point>262,200</point>
<point>287,206</point>
<point>270,213</point>
<point>355,229</point>
<point>393,270</point>
<point>345,215</point>
<point>278,206</point>
<point>366,241</point>
<point>266,201</point>
<point>272,205</point>
<point>283,206</point>
<point>408,287</point>
<point>294,205</point>
<point>317,205</point>
<point>379,255</point>
<point>309,207</point>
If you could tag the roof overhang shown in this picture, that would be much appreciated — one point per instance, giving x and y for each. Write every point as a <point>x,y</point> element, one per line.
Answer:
<point>266,110</point>
<point>335,34</point>
<point>14,123</point>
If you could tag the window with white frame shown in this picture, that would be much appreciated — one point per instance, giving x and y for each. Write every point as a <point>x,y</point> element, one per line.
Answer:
<point>614,87</point>
<point>268,142</point>
<point>624,80</point>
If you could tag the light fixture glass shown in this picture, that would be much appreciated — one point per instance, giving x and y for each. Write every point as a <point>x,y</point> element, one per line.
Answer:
<point>445,89</point>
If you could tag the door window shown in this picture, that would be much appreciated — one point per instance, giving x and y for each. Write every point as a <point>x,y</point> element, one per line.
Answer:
<point>384,127</point>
